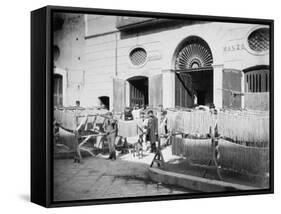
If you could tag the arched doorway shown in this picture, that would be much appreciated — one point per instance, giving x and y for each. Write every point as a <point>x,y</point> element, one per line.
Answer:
<point>104,100</point>
<point>194,73</point>
<point>58,90</point>
<point>138,90</point>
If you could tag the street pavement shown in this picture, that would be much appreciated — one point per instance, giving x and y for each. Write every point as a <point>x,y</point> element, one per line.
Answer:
<point>98,178</point>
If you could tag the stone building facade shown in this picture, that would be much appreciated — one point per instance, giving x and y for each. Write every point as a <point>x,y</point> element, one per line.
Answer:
<point>122,61</point>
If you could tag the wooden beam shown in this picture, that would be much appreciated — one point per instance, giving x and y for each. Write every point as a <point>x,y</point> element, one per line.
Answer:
<point>191,70</point>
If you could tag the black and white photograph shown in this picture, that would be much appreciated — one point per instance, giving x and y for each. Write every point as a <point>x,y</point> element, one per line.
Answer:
<point>153,106</point>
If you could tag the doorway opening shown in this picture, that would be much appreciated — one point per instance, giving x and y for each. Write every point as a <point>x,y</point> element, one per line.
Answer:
<point>58,96</point>
<point>202,84</point>
<point>105,101</point>
<point>194,88</point>
<point>138,90</point>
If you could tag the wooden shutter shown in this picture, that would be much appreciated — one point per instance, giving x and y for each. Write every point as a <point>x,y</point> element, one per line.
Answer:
<point>231,88</point>
<point>183,90</point>
<point>119,95</point>
<point>58,96</point>
<point>155,90</point>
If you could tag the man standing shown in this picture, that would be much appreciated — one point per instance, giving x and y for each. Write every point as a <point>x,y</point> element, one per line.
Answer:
<point>152,130</point>
<point>142,129</point>
<point>110,127</point>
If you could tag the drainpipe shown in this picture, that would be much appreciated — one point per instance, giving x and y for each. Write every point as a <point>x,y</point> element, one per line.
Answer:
<point>116,46</point>
<point>242,90</point>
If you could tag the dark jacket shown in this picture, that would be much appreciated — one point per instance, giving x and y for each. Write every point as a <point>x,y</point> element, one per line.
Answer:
<point>152,129</point>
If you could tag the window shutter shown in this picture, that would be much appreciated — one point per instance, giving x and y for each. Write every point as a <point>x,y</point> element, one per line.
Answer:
<point>231,88</point>
<point>119,95</point>
<point>155,90</point>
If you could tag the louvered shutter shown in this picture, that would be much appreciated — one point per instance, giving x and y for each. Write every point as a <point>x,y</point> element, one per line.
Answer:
<point>155,91</point>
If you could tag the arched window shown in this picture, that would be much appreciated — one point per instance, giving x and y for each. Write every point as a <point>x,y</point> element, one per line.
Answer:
<point>105,102</point>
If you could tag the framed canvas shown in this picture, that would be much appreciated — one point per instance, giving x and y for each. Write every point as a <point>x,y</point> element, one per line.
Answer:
<point>134,106</point>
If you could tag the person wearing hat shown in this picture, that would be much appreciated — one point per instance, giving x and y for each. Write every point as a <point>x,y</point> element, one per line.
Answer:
<point>110,127</point>
<point>152,130</point>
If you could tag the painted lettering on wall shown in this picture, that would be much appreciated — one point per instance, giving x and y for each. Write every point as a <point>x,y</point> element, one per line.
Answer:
<point>236,47</point>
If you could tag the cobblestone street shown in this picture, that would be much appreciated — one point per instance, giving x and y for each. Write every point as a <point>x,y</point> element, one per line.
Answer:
<point>100,178</point>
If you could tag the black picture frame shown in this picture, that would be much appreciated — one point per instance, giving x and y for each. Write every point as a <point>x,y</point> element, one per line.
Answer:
<point>42,102</point>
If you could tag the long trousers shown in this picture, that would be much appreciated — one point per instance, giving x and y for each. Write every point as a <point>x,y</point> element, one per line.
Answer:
<point>111,145</point>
